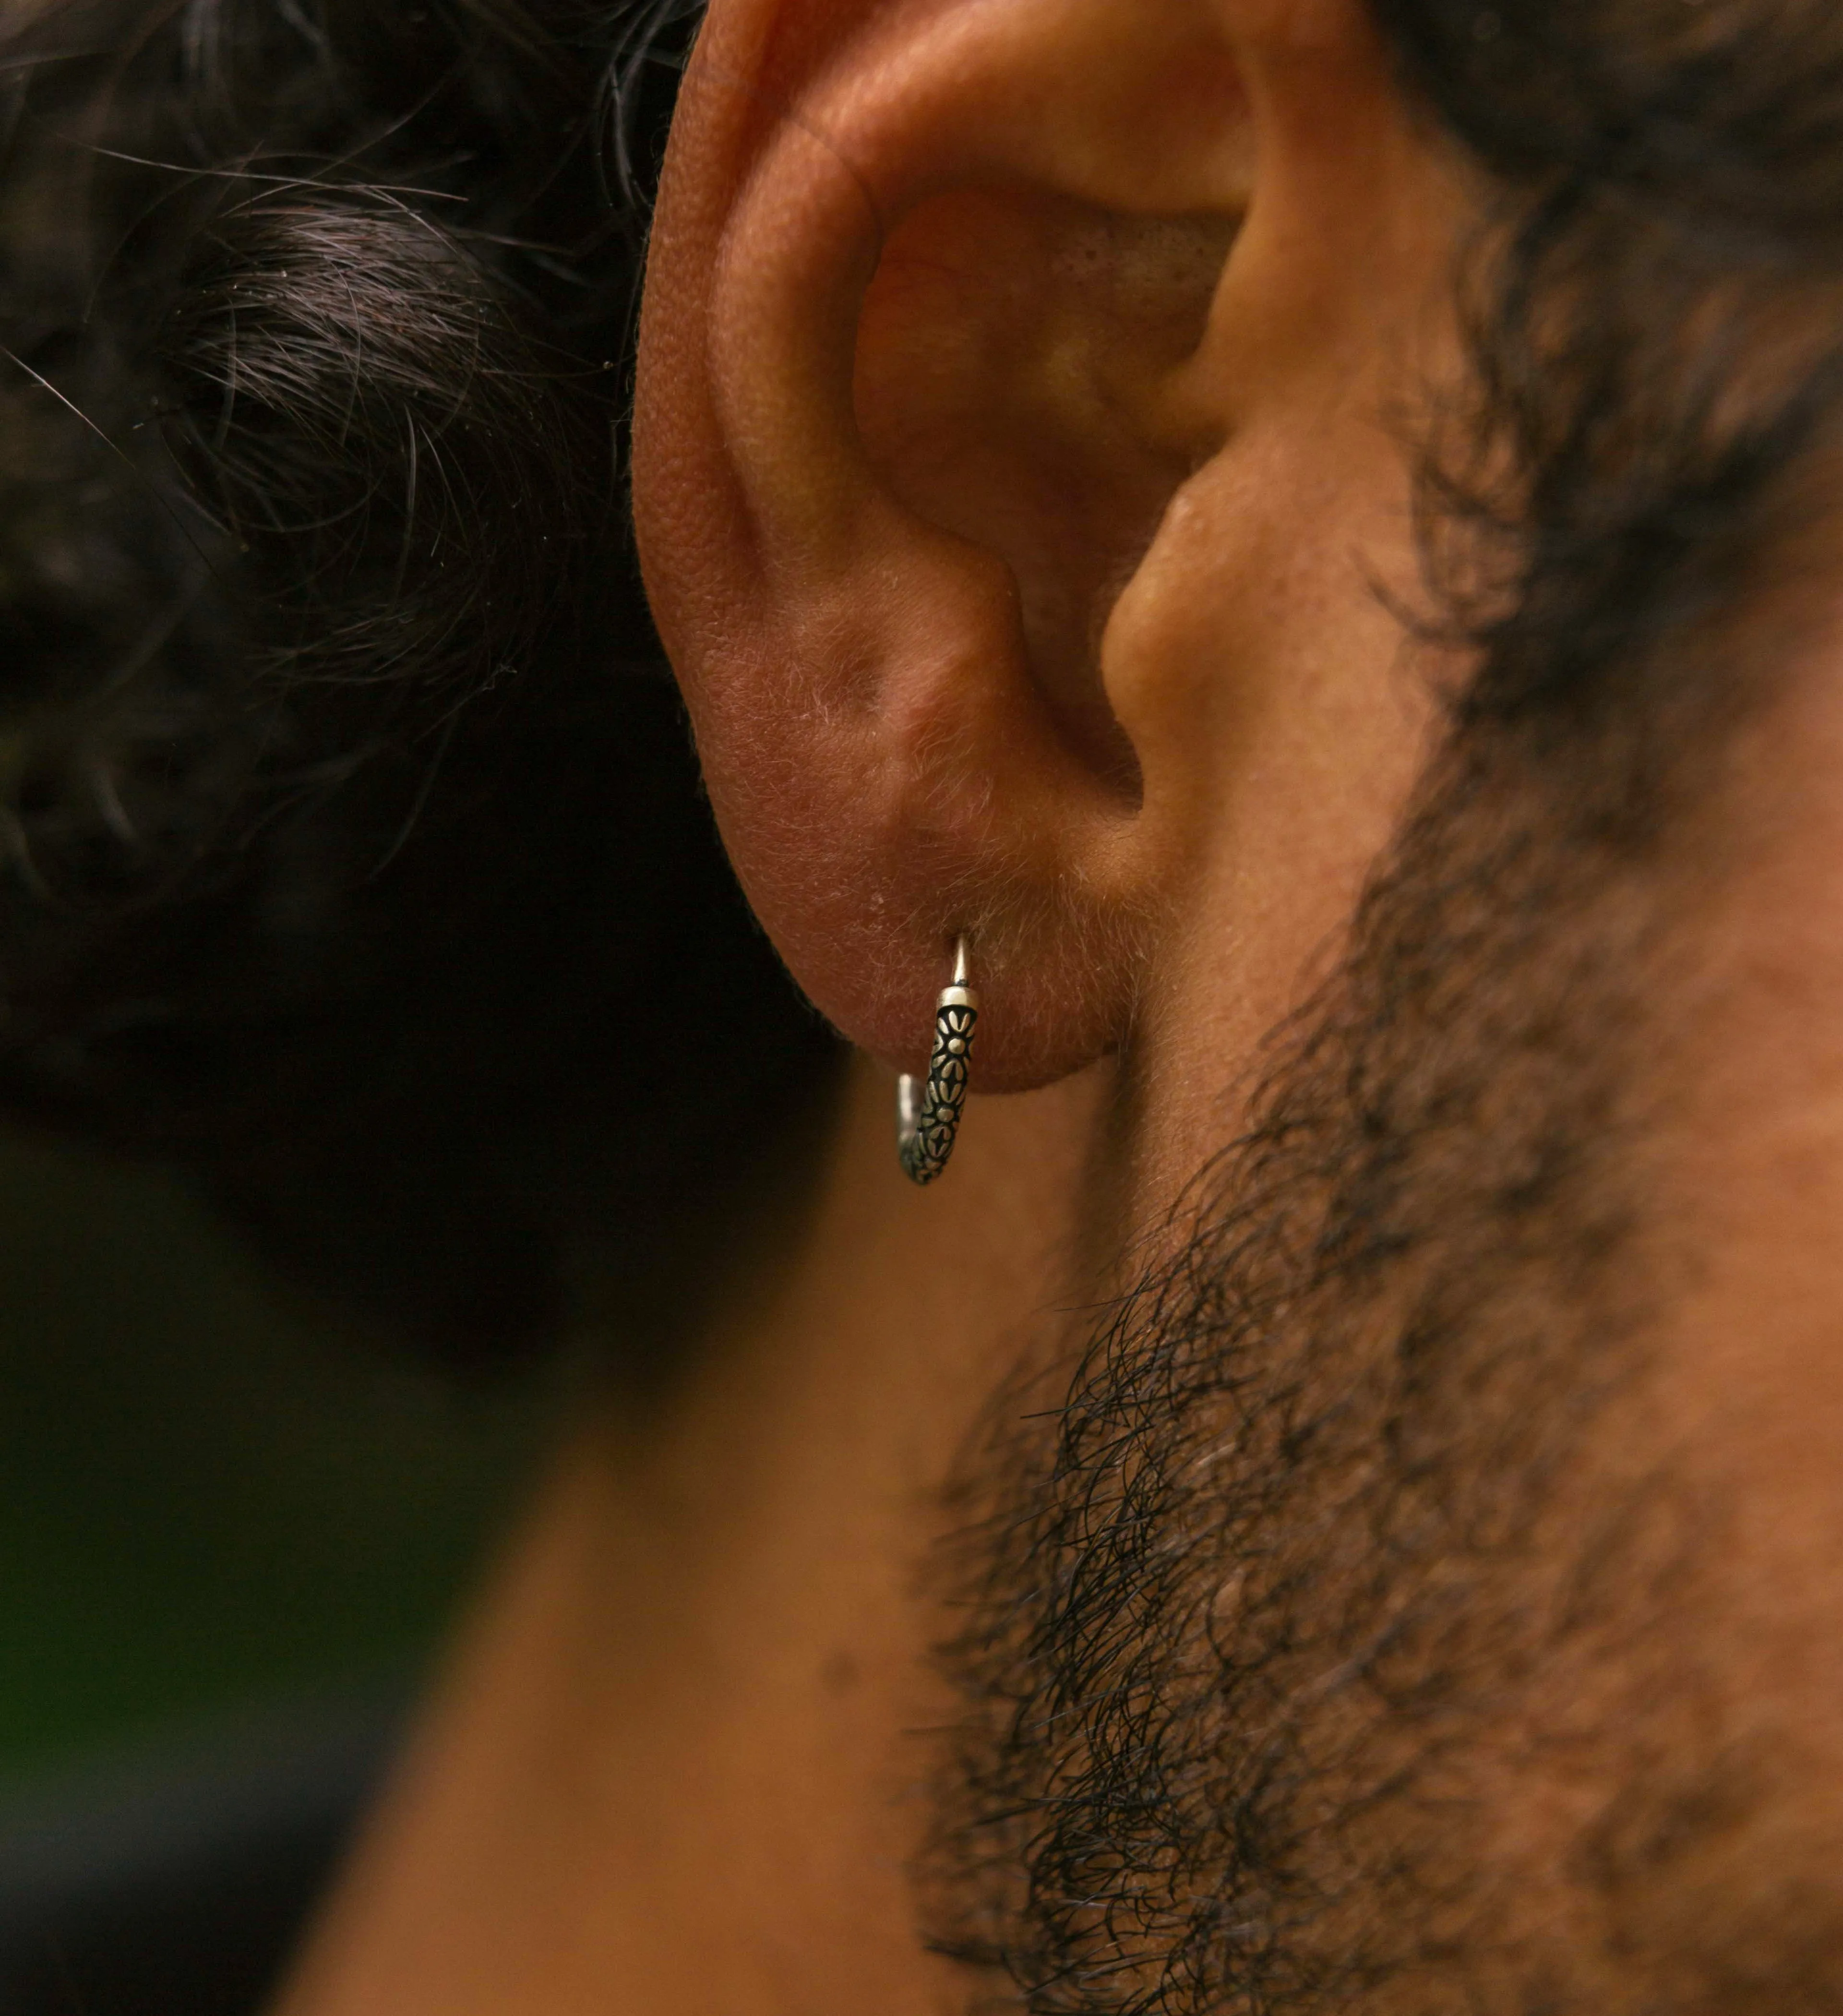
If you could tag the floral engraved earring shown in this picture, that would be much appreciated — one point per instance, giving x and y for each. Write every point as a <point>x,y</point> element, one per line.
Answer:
<point>925,1132</point>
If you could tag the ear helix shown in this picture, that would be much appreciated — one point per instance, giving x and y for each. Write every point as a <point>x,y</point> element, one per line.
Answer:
<point>925,1135</point>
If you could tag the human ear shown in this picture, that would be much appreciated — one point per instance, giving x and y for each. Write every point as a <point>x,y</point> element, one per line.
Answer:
<point>932,369</point>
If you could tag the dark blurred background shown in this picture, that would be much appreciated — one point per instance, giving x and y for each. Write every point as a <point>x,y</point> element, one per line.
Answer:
<point>355,862</point>
<point>231,1534</point>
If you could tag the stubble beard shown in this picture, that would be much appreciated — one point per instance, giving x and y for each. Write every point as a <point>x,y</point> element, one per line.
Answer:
<point>1348,1636</point>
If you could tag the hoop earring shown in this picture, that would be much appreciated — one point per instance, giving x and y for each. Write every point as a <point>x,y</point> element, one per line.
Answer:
<point>925,1133</point>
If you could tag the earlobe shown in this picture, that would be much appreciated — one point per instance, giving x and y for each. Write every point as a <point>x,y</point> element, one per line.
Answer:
<point>917,388</point>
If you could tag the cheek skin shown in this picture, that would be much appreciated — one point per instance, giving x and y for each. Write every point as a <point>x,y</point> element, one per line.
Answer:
<point>1256,668</point>
<point>1296,791</point>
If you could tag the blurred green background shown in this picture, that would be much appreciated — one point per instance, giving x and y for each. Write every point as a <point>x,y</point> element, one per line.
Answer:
<point>210,1497</point>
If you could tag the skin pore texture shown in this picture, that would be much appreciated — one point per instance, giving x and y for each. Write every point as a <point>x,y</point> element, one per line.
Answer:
<point>1379,1563</point>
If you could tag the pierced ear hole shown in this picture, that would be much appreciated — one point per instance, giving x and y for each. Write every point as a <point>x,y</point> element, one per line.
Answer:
<point>1018,365</point>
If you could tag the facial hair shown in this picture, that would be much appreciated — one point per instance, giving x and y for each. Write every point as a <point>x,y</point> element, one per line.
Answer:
<point>1342,1640</point>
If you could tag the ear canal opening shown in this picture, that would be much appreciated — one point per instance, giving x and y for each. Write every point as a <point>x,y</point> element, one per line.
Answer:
<point>1019,383</point>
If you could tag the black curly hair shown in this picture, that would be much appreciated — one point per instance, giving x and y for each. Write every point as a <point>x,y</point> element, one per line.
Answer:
<point>356,863</point>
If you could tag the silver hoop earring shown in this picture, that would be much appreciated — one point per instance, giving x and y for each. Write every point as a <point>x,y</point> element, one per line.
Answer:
<point>925,1131</point>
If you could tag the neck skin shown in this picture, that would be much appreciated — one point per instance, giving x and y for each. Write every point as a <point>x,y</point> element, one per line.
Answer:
<point>668,1768</point>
